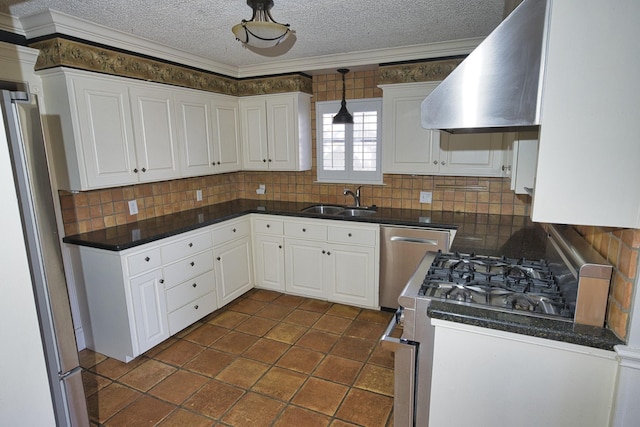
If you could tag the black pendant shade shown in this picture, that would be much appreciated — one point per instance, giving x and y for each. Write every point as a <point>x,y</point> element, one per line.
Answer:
<point>343,116</point>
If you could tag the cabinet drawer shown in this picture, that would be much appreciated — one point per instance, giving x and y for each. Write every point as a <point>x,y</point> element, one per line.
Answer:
<point>268,226</point>
<point>186,247</point>
<point>305,230</point>
<point>190,290</point>
<point>186,315</point>
<point>187,268</point>
<point>231,231</point>
<point>356,236</point>
<point>144,261</point>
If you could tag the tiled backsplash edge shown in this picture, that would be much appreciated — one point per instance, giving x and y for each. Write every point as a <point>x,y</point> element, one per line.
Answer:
<point>621,248</point>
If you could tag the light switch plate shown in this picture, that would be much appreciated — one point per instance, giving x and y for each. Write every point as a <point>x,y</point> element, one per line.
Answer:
<point>425,197</point>
<point>133,207</point>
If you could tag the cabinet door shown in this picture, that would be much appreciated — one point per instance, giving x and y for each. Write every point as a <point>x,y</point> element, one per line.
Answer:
<point>471,154</point>
<point>149,310</point>
<point>304,268</point>
<point>195,133</point>
<point>233,267</point>
<point>350,273</point>
<point>155,133</point>
<point>269,262</point>
<point>253,119</point>
<point>281,131</point>
<point>407,146</point>
<point>106,132</point>
<point>226,135</point>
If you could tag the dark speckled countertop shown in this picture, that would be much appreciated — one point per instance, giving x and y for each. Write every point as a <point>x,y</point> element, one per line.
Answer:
<point>498,235</point>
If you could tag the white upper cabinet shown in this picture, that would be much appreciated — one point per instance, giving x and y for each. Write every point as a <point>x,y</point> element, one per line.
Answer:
<point>208,133</point>
<point>154,133</point>
<point>408,148</point>
<point>276,132</point>
<point>588,161</point>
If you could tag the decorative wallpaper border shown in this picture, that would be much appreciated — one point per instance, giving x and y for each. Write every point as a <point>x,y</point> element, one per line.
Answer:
<point>417,72</point>
<point>57,52</point>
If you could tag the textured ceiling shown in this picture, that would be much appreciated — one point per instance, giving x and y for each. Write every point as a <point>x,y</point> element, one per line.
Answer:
<point>323,27</point>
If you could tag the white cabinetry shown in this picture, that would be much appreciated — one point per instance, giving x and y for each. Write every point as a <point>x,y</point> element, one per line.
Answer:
<point>332,260</point>
<point>209,129</point>
<point>410,149</point>
<point>233,258</point>
<point>268,253</point>
<point>138,297</point>
<point>154,133</point>
<point>276,131</point>
<point>539,382</point>
<point>524,159</point>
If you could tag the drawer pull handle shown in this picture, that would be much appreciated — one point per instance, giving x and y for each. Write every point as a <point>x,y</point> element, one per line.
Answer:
<point>147,259</point>
<point>218,258</point>
<point>161,280</point>
<point>190,245</point>
<point>195,285</point>
<point>192,263</point>
<point>196,306</point>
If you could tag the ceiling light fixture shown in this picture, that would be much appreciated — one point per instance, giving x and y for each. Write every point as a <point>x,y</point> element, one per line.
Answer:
<point>343,115</point>
<point>261,31</point>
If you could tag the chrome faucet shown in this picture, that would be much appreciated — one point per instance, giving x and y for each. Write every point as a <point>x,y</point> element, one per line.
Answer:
<point>356,195</point>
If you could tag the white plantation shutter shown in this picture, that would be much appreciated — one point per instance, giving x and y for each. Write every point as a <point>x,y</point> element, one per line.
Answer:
<point>349,153</point>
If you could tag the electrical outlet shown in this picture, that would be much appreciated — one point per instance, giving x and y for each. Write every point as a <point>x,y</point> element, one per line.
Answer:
<point>425,197</point>
<point>199,195</point>
<point>261,189</point>
<point>133,207</point>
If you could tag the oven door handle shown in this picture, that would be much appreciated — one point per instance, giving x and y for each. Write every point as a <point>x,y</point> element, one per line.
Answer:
<point>392,343</point>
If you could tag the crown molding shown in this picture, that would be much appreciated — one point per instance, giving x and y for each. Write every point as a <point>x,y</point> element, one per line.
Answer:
<point>10,24</point>
<point>53,22</point>
<point>363,59</point>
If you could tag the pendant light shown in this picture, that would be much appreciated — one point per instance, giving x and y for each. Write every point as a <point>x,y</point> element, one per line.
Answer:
<point>343,116</point>
<point>261,31</point>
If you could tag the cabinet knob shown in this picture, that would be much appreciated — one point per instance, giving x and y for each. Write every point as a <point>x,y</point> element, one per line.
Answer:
<point>324,252</point>
<point>213,163</point>
<point>442,163</point>
<point>218,258</point>
<point>161,280</point>
<point>279,246</point>
<point>328,253</point>
<point>264,160</point>
<point>269,159</point>
<point>144,169</point>
<point>304,230</point>
<point>268,226</point>
<point>195,285</point>
<point>234,230</point>
<point>435,162</point>
<point>218,162</point>
<point>135,170</point>
<point>147,259</point>
<point>192,263</point>
<point>196,306</point>
<point>190,245</point>
<point>349,234</point>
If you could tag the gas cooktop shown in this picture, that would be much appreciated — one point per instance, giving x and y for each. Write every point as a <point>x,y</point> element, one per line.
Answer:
<point>506,284</point>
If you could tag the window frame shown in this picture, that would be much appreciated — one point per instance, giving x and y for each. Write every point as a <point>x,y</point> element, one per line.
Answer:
<point>348,175</point>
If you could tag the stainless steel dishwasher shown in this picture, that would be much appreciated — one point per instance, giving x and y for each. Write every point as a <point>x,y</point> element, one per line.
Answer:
<point>401,249</point>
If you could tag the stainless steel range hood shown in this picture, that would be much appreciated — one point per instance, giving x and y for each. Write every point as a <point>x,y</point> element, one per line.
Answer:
<point>498,86</point>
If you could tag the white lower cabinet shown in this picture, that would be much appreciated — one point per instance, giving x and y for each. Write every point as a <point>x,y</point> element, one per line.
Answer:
<point>304,266</point>
<point>350,273</point>
<point>149,302</point>
<point>269,262</point>
<point>507,379</point>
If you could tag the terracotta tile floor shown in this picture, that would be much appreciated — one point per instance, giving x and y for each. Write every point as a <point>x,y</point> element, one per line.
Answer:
<point>267,359</point>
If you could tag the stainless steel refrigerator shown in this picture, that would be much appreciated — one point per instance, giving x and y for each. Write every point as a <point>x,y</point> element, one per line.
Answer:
<point>33,187</point>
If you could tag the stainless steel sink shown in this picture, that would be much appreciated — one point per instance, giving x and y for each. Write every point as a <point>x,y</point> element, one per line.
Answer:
<point>324,209</point>
<point>357,212</point>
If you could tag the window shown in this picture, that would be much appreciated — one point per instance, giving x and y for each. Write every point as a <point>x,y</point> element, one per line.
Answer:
<point>349,153</point>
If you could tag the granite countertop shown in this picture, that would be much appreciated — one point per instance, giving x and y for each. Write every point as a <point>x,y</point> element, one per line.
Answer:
<point>486,234</point>
<point>477,233</point>
<point>557,330</point>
